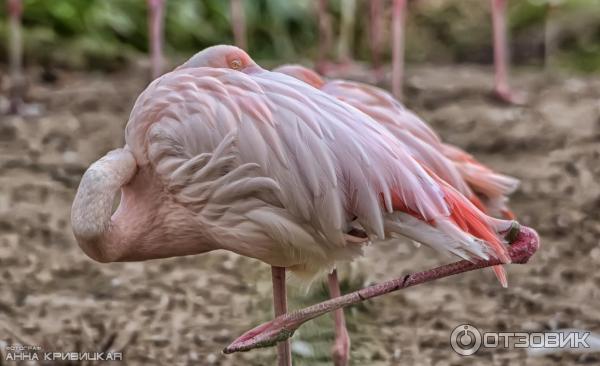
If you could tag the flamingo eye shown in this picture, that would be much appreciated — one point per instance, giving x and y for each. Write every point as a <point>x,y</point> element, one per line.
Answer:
<point>236,64</point>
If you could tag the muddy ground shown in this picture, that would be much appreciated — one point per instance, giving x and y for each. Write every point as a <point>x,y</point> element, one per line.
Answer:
<point>185,310</point>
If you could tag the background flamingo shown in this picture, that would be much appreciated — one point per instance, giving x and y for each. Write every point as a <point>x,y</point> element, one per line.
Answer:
<point>194,178</point>
<point>399,9</point>
<point>501,64</point>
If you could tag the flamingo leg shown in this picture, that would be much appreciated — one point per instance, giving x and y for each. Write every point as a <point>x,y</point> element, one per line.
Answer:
<point>501,56</point>
<point>398,20</point>
<point>284,354</point>
<point>376,35</point>
<point>155,24</point>
<point>325,35</point>
<point>524,243</point>
<point>238,23</point>
<point>341,347</point>
<point>346,31</point>
<point>15,9</point>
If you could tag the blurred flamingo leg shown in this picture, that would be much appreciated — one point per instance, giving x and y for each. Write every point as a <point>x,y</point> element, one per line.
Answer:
<point>155,24</point>
<point>284,354</point>
<point>238,21</point>
<point>341,346</point>
<point>15,9</point>
<point>501,54</point>
<point>376,38</point>
<point>325,36</point>
<point>347,31</point>
<point>398,20</point>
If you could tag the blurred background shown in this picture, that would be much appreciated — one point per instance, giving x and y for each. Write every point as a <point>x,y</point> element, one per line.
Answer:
<point>106,34</point>
<point>85,62</point>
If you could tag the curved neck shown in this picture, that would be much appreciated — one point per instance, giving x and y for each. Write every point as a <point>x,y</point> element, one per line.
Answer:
<point>91,220</point>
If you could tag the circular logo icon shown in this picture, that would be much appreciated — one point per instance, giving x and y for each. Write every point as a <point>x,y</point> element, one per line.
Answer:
<point>465,340</point>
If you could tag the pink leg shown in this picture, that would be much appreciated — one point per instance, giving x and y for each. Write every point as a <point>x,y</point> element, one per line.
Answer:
<point>524,243</point>
<point>156,10</point>
<point>284,354</point>
<point>238,20</point>
<point>341,346</point>
<point>398,19</point>
<point>501,88</point>
<point>15,9</point>
<point>325,36</point>
<point>376,35</point>
<point>346,39</point>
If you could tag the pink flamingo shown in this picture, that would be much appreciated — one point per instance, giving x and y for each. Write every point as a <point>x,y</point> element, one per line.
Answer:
<point>221,154</point>
<point>466,175</point>
<point>455,166</point>
<point>501,64</point>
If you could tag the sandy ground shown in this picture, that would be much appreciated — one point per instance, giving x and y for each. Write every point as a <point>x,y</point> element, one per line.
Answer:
<point>185,310</point>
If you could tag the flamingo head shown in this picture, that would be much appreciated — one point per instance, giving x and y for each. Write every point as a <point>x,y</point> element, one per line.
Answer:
<point>303,74</point>
<point>221,56</point>
<point>147,223</point>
